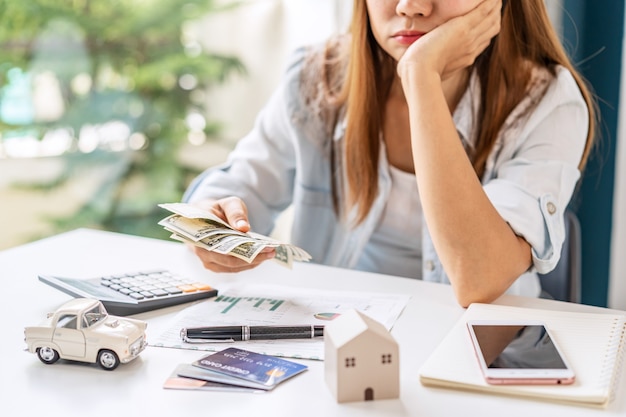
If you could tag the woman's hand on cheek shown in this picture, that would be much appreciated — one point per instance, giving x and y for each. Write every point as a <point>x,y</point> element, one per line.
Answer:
<point>455,44</point>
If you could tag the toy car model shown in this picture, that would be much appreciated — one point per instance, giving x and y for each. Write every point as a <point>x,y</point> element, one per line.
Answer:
<point>82,330</point>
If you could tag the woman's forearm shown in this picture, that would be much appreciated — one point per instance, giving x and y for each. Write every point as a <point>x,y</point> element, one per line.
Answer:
<point>479,251</point>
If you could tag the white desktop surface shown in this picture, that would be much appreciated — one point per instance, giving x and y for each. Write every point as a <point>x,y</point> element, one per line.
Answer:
<point>31,388</point>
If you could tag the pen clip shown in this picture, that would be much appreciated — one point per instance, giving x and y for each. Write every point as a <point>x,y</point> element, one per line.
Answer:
<point>187,339</point>
<point>204,340</point>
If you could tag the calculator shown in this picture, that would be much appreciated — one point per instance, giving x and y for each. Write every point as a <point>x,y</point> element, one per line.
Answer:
<point>134,292</point>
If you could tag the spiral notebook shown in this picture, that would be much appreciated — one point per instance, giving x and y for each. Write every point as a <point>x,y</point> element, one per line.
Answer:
<point>592,342</point>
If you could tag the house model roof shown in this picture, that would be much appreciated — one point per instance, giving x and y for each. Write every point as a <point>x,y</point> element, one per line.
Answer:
<point>352,324</point>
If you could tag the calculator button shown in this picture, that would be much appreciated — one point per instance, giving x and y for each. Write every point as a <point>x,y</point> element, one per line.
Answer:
<point>187,288</point>
<point>201,286</point>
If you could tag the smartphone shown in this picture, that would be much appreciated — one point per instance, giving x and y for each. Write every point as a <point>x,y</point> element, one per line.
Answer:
<point>518,352</point>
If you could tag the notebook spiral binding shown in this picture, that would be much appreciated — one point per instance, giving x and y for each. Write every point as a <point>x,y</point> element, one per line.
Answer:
<point>615,356</point>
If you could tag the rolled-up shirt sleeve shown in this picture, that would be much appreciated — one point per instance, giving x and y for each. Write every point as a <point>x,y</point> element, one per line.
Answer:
<point>535,174</point>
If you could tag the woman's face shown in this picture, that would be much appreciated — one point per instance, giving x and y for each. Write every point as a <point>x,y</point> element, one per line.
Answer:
<point>396,24</point>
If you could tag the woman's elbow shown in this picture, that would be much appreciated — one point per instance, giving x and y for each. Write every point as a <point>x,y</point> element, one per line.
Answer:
<point>470,289</point>
<point>483,282</point>
<point>465,298</point>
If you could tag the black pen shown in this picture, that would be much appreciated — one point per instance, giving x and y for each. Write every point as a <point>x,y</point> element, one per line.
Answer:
<point>243,333</point>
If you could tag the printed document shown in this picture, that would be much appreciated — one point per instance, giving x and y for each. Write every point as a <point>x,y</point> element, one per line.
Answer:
<point>263,305</point>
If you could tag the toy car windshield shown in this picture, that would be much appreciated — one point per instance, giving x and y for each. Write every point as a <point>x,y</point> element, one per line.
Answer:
<point>96,314</point>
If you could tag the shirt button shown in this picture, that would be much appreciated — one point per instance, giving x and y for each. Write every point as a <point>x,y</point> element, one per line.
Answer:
<point>551,208</point>
<point>430,265</point>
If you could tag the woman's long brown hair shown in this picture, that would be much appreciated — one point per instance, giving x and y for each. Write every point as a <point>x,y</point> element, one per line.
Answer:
<point>526,36</point>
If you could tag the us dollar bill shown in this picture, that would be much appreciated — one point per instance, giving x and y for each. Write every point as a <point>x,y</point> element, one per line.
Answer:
<point>204,229</point>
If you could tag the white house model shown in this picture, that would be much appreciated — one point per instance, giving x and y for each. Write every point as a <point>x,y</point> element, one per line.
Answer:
<point>361,359</point>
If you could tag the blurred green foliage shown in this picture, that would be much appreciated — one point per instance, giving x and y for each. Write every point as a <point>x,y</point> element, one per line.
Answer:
<point>130,61</point>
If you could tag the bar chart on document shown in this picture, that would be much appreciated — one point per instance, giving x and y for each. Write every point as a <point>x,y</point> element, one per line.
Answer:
<point>258,304</point>
<point>275,305</point>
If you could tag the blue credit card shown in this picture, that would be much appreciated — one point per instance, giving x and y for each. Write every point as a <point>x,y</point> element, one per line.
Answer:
<point>264,370</point>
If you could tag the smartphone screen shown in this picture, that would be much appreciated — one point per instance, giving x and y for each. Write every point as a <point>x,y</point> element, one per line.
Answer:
<point>519,353</point>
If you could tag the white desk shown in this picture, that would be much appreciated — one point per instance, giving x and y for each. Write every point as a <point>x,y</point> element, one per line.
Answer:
<point>30,388</point>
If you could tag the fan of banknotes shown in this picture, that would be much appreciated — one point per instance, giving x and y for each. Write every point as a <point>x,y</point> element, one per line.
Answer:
<point>204,229</point>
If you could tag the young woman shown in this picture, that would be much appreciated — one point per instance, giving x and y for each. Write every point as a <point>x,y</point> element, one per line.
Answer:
<point>440,140</point>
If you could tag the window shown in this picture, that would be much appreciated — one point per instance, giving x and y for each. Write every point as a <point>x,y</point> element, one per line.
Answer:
<point>94,315</point>
<point>386,358</point>
<point>116,87</point>
<point>67,321</point>
<point>350,362</point>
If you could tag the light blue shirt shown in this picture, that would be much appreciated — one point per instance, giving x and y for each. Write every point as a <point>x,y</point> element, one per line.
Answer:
<point>395,246</point>
<point>530,175</point>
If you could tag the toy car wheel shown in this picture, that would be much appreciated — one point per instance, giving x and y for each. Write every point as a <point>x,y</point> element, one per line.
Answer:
<point>47,355</point>
<point>108,360</point>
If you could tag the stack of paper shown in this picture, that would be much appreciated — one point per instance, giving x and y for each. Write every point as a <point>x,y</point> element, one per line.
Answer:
<point>234,368</point>
<point>204,229</point>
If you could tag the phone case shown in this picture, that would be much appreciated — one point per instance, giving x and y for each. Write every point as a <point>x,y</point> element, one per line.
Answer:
<point>518,352</point>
